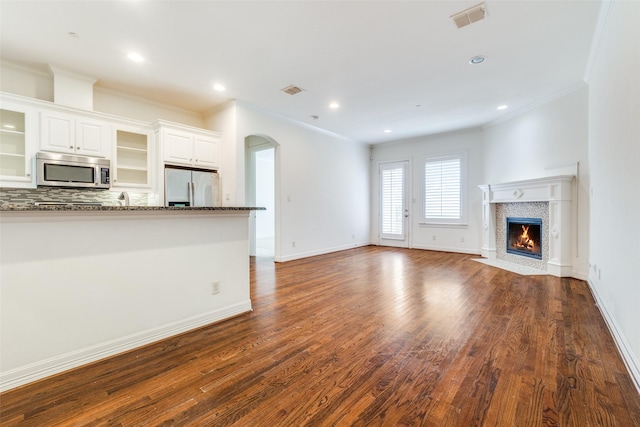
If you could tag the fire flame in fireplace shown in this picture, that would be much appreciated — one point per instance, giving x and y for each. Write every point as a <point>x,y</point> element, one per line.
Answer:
<point>524,241</point>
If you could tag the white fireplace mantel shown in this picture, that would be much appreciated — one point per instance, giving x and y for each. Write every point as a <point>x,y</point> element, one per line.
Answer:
<point>557,190</point>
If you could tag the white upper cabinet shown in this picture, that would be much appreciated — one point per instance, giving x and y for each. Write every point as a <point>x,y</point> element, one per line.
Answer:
<point>206,151</point>
<point>185,146</point>
<point>92,137</point>
<point>18,144</point>
<point>178,147</point>
<point>71,134</point>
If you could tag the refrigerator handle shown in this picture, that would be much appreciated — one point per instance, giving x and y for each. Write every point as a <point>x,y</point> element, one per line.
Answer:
<point>189,193</point>
<point>193,193</point>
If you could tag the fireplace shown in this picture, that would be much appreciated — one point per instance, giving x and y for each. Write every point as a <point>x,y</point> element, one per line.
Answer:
<point>524,237</point>
<point>547,198</point>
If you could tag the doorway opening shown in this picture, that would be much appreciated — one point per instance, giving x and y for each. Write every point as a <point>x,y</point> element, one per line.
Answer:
<point>260,191</point>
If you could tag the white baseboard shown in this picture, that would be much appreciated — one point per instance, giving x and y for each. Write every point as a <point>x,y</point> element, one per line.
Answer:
<point>301,255</point>
<point>58,364</point>
<point>579,274</point>
<point>630,360</point>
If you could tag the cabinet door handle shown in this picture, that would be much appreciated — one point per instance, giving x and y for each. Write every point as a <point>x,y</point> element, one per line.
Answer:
<point>71,146</point>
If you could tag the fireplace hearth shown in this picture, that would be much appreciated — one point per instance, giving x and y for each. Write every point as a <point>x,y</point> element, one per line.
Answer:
<point>524,237</point>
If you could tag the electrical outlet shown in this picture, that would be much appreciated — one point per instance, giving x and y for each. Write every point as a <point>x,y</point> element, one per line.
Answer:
<point>293,243</point>
<point>462,240</point>
<point>215,288</point>
<point>353,236</point>
<point>433,237</point>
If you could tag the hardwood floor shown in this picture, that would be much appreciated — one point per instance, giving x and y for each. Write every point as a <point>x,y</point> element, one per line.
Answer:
<point>369,336</point>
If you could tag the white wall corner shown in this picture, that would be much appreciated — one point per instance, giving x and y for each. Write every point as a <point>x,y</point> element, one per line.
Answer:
<point>630,361</point>
<point>601,25</point>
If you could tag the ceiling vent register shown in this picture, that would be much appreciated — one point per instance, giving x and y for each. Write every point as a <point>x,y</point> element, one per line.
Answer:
<point>469,16</point>
<point>292,89</point>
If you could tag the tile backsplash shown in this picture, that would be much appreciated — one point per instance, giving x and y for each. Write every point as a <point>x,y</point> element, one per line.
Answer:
<point>28,196</point>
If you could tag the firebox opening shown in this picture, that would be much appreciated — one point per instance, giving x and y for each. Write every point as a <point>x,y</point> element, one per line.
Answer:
<point>524,237</point>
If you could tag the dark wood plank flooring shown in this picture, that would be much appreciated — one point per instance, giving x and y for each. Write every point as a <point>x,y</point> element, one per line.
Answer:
<point>366,337</point>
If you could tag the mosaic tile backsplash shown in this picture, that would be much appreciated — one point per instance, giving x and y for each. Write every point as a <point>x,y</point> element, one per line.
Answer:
<point>522,210</point>
<point>28,196</point>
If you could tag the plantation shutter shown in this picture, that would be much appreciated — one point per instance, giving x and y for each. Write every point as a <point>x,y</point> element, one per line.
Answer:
<point>442,190</point>
<point>392,206</point>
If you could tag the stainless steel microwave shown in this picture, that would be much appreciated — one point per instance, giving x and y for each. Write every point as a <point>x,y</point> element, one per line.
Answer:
<point>64,170</point>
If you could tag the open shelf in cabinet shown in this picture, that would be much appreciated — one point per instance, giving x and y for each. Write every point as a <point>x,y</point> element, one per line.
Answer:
<point>132,159</point>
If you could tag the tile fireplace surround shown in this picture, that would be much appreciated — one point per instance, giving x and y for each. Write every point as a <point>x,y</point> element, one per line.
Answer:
<point>552,195</point>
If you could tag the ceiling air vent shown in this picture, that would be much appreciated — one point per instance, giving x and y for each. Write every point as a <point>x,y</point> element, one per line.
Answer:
<point>292,89</point>
<point>469,16</point>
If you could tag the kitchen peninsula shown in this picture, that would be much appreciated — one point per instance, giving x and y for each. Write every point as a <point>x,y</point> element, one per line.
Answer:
<point>80,283</point>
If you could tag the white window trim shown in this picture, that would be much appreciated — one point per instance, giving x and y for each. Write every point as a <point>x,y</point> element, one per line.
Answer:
<point>444,222</point>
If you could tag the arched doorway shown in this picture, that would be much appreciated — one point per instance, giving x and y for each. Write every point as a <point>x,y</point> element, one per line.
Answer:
<point>261,162</point>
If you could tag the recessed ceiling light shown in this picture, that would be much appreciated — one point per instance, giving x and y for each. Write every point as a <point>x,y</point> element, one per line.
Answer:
<point>135,57</point>
<point>219,88</point>
<point>74,35</point>
<point>479,59</point>
<point>334,105</point>
<point>388,131</point>
<point>9,126</point>
<point>502,107</point>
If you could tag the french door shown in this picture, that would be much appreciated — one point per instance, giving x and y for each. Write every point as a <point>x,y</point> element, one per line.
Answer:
<point>394,206</point>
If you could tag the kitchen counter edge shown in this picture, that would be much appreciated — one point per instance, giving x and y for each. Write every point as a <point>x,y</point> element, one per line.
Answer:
<point>76,208</point>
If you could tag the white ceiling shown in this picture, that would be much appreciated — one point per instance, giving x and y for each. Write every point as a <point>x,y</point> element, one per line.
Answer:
<point>400,65</point>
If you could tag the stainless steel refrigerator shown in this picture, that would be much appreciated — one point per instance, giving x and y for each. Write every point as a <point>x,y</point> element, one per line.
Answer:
<point>190,187</point>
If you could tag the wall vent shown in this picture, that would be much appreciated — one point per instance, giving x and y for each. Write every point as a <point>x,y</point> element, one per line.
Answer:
<point>292,89</point>
<point>469,16</point>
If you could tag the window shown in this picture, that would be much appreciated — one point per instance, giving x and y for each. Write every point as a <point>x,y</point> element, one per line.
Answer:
<point>444,189</point>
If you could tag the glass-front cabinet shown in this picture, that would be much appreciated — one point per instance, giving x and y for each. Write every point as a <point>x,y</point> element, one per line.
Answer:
<point>132,157</point>
<point>16,146</point>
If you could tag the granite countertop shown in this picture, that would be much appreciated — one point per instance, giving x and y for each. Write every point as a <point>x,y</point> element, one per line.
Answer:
<point>89,208</point>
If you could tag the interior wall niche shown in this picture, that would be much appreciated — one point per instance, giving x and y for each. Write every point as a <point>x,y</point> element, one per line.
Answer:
<point>523,210</point>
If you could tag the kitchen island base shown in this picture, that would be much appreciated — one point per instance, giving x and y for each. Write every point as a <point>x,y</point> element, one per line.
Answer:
<point>77,286</point>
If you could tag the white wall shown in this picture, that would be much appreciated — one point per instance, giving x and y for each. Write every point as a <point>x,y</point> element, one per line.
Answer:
<point>265,196</point>
<point>224,121</point>
<point>614,155</point>
<point>25,81</point>
<point>548,140</point>
<point>322,185</point>
<point>106,101</point>
<point>415,151</point>
<point>38,84</point>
